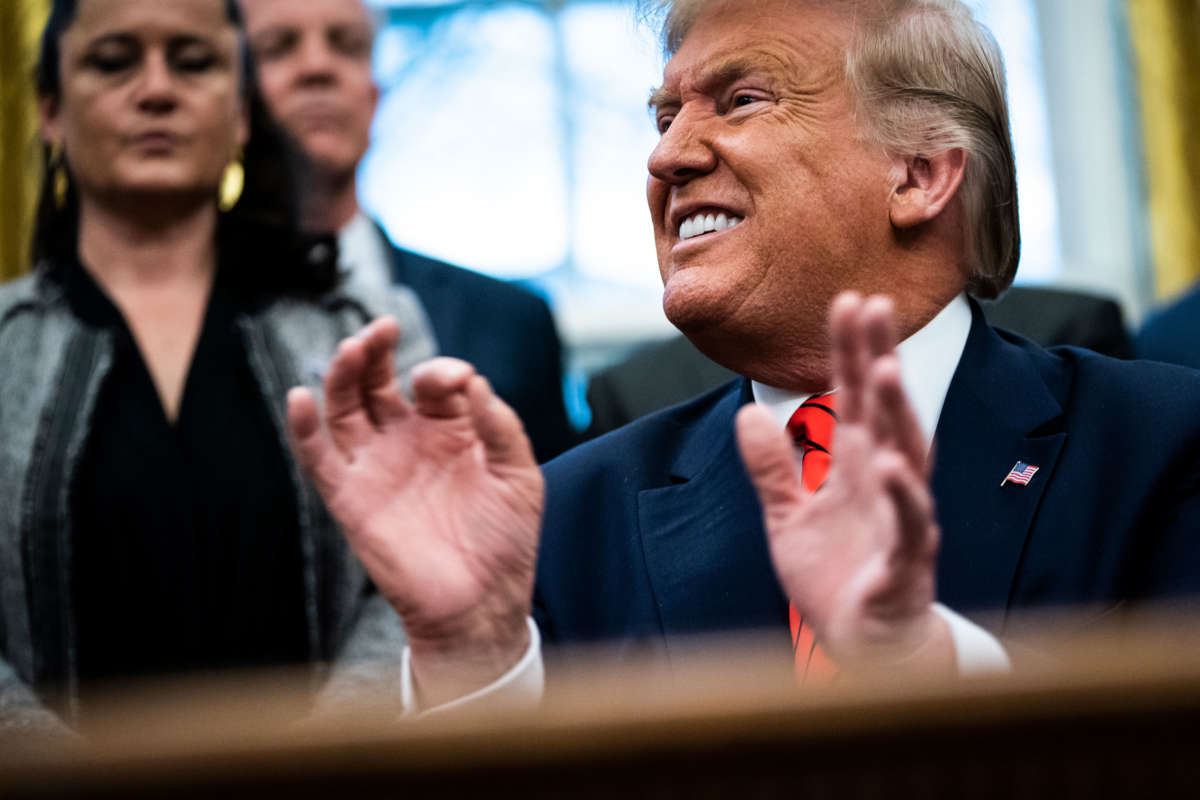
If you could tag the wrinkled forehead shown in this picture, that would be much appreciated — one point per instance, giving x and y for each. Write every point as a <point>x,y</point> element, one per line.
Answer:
<point>204,18</point>
<point>262,14</point>
<point>796,41</point>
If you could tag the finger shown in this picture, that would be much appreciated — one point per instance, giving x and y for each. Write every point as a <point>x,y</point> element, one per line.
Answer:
<point>440,387</point>
<point>498,426</point>
<point>893,405</point>
<point>878,319</point>
<point>893,420</point>
<point>849,355</point>
<point>345,413</point>
<point>314,451</point>
<point>876,339</point>
<point>381,395</point>
<point>917,536</point>
<point>770,459</point>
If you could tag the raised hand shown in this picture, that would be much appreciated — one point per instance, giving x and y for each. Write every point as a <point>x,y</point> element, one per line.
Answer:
<point>857,558</point>
<point>440,498</point>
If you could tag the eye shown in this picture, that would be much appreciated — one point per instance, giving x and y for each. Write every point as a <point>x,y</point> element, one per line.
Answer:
<point>274,44</point>
<point>194,60</point>
<point>109,63</point>
<point>350,41</point>
<point>743,99</point>
<point>111,58</point>
<point>664,122</point>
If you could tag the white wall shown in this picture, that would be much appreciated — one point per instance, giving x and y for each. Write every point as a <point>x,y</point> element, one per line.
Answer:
<point>1089,80</point>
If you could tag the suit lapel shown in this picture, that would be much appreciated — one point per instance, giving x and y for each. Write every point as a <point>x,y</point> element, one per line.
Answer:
<point>703,539</point>
<point>998,411</point>
<point>397,258</point>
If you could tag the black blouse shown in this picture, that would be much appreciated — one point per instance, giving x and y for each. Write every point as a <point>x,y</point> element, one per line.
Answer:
<point>185,536</point>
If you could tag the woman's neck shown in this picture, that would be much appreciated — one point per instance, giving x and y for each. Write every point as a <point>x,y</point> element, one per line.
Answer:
<point>123,249</point>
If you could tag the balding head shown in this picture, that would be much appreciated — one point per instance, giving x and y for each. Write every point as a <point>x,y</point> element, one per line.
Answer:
<point>313,59</point>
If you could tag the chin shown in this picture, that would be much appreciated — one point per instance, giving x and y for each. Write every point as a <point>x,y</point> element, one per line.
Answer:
<point>331,155</point>
<point>166,186</point>
<point>692,306</point>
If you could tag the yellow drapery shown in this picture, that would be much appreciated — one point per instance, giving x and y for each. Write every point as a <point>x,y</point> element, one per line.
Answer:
<point>21,23</point>
<point>1166,43</point>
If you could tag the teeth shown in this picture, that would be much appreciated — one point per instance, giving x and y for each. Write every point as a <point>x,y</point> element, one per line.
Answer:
<point>706,223</point>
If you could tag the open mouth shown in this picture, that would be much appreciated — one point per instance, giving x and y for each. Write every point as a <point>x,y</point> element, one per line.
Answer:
<point>703,222</point>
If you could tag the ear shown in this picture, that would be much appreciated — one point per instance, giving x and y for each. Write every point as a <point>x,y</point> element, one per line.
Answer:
<point>48,122</point>
<point>374,98</point>
<point>924,186</point>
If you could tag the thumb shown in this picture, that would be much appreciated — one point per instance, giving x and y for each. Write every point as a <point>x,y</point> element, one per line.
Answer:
<point>314,451</point>
<point>769,457</point>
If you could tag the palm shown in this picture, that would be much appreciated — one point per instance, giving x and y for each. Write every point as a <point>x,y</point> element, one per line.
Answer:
<point>837,552</point>
<point>437,526</point>
<point>857,558</point>
<point>439,497</point>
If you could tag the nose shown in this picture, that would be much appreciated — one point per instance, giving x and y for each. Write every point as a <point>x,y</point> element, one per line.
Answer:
<point>684,152</point>
<point>316,62</point>
<point>156,93</point>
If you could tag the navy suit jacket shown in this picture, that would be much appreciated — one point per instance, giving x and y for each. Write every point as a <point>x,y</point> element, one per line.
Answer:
<point>1173,333</point>
<point>505,331</point>
<point>654,530</point>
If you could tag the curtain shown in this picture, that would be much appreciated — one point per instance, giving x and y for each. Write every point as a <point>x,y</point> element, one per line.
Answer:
<point>1166,43</point>
<point>21,23</point>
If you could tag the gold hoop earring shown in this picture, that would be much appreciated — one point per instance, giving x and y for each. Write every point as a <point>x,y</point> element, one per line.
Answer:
<point>59,181</point>
<point>233,180</point>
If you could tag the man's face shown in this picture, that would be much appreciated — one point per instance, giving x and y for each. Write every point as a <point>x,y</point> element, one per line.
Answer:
<point>758,130</point>
<point>314,69</point>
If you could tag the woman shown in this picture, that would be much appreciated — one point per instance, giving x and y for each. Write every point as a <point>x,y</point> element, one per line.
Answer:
<point>152,519</point>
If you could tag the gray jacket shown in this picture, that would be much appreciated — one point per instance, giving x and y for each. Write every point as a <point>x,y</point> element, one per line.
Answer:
<point>51,369</point>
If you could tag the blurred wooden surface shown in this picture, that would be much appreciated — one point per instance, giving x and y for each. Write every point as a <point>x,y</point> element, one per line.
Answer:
<point>1113,716</point>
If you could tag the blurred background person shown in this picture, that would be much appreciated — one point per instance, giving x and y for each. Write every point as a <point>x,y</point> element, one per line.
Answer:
<point>1173,333</point>
<point>314,67</point>
<point>152,519</point>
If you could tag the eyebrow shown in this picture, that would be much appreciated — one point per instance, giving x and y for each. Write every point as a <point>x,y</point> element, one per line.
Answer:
<point>725,70</point>
<point>272,32</point>
<point>660,96</point>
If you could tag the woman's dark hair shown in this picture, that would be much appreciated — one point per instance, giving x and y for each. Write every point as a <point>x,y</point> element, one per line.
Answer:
<point>261,232</point>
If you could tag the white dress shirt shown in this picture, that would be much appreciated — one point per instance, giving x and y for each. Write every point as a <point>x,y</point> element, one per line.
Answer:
<point>363,256</point>
<point>928,360</point>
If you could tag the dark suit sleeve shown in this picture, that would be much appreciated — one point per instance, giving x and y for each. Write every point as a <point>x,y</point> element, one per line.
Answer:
<point>608,410</point>
<point>1173,334</point>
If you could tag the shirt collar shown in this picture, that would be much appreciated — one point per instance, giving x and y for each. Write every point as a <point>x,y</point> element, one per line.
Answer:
<point>355,239</point>
<point>928,360</point>
<point>361,254</point>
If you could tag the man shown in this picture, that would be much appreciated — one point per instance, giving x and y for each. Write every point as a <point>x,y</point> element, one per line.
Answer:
<point>812,153</point>
<point>313,60</point>
<point>1172,334</point>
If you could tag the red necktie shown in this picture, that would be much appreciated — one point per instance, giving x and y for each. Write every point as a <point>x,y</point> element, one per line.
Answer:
<point>811,427</point>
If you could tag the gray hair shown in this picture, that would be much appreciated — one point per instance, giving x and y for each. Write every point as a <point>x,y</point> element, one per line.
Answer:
<point>927,77</point>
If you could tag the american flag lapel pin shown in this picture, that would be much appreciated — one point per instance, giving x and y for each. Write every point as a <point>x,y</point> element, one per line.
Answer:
<point>1020,474</point>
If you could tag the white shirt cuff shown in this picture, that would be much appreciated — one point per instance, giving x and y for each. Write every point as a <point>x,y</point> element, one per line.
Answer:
<point>518,689</point>
<point>978,652</point>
